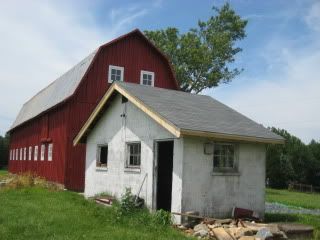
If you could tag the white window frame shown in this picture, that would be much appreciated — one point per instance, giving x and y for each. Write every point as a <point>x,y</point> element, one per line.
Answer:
<point>17,154</point>
<point>128,154</point>
<point>116,68</point>
<point>21,154</point>
<point>13,154</point>
<point>98,163</point>
<point>30,153</point>
<point>25,154</point>
<point>36,150</point>
<point>42,152</point>
<point>50,149</point>
<point>10,155</point>
<point>148,73</point>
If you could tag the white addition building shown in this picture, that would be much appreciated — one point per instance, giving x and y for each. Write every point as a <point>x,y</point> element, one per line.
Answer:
<point>189,152</point>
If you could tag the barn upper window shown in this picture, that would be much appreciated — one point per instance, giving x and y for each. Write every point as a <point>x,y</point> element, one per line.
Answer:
<point>21,154</point>
<point>224,157</point>
<point>43,149</point>
<point>17,154</point>
<point>12,156</point>
<point>133,154</point>
<point>35,153</point>
<point>115,73</point>
<point>50,149</point>
<point>147,78</point>
<point>30,153</point>
<point>102,156</point>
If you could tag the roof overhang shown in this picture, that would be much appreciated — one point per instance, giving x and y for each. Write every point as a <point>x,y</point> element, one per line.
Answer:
<point>176,131</point>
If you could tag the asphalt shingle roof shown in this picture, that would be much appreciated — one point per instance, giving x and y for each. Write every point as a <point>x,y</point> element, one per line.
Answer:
<point>197,112</point>
<point>56,92</point>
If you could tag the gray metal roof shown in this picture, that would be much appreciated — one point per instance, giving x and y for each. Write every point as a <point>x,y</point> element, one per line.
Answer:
<point>197,112</point>
<point>56,92</point>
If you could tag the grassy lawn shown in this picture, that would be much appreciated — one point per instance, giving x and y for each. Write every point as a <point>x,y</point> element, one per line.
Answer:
<point>298,199</point>
<point>3,172</point>
<point>37,213</point>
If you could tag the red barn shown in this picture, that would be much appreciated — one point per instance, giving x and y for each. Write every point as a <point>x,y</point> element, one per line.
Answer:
<point>42,134</point>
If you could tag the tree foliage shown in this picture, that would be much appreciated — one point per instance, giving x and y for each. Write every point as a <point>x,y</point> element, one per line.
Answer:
<point>201,57</point>
<point>293,161</point>
<point>4,150</point>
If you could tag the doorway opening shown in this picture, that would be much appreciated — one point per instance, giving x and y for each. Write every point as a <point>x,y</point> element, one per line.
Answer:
<point>164,174</point>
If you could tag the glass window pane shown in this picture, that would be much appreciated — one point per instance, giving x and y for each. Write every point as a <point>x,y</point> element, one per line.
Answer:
<point>118,78</point>
<point>113,71</point>
<point>119,72</point>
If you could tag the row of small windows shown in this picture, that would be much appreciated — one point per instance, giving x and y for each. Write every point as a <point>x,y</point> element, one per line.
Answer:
<point>116,74</point>
<point>22,153</point>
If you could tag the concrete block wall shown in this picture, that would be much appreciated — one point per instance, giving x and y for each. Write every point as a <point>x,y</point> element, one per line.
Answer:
<point>115,131</point>
<point>214,195</point>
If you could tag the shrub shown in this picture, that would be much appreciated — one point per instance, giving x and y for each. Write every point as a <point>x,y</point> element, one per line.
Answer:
<point>127,203</point>
<point>162,217</point>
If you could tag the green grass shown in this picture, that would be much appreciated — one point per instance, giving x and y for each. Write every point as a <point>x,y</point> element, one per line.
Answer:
<point>37,213</point>
<point>296,218</point>
<point>297,199</point>
<point>3,172</point>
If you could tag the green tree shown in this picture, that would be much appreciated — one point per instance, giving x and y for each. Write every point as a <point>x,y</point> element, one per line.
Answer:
<point>4,151</point>
<point>202,56</point>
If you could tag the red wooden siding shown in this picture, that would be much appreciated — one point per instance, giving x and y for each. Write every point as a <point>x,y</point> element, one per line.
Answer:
<point>62,123</point>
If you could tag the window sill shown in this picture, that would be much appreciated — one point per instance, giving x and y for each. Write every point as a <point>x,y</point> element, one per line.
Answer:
<point>101,169</point>
<point>225,174</point>
<point>133,170</point>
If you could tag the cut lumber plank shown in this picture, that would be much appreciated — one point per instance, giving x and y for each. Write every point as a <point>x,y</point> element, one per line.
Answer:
<point>221,234</point>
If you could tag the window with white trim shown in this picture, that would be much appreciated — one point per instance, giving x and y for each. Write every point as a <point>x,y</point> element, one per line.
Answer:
<point>115,73</point>
<point>43,149</point>
<point>17,154</point>
<point>13,154</point>
<point>30,153</point>
<point>147,78</point>
<point>35,158</point>
<point>21,154</point>
<point>25,153</point>
<point>133,154</point>
<point>102,156</point>
<point>50,148</point>
<point>10,156</point>
<point>224,157</point>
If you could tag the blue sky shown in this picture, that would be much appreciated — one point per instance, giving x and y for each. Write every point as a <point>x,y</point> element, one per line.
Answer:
<point>279,87</point>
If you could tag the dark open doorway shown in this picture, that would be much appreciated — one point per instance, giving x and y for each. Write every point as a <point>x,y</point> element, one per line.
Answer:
<point>164,181</point>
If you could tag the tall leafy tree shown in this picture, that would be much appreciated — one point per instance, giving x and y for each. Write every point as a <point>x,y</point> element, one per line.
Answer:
<point>4,150</point>
<point>202,56</point>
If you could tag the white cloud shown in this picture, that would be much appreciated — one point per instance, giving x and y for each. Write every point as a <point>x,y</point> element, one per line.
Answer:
<point>40,40</point>
<point>313,17</point>
<point>288,95</point>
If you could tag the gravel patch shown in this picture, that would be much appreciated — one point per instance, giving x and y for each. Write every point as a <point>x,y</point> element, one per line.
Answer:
<point>282,208</point>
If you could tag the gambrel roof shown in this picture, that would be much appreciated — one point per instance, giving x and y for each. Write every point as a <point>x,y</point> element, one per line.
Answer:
<point>184,113</point>
<point>55,93</point>
<point>65,86</point>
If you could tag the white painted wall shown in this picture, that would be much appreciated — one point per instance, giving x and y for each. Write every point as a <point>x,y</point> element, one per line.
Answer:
<point>216,195</point>
<point>116,131</point>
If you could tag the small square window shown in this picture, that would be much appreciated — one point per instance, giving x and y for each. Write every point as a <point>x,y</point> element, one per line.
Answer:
<point>147,78</point>
<point>133,155</point>
<point>115,73</point>
<point>35,153</point>
<point>224,157</point>
<point>50,149</point>
<point>43,149</point>
<point>102,156</point>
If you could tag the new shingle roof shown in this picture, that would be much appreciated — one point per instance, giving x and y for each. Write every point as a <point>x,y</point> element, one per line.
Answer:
<point>197,112</point>
<point>188,113</point>
<point>56,92</point>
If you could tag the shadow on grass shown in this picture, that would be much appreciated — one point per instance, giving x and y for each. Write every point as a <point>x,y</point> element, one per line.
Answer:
<point>280,217</point>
